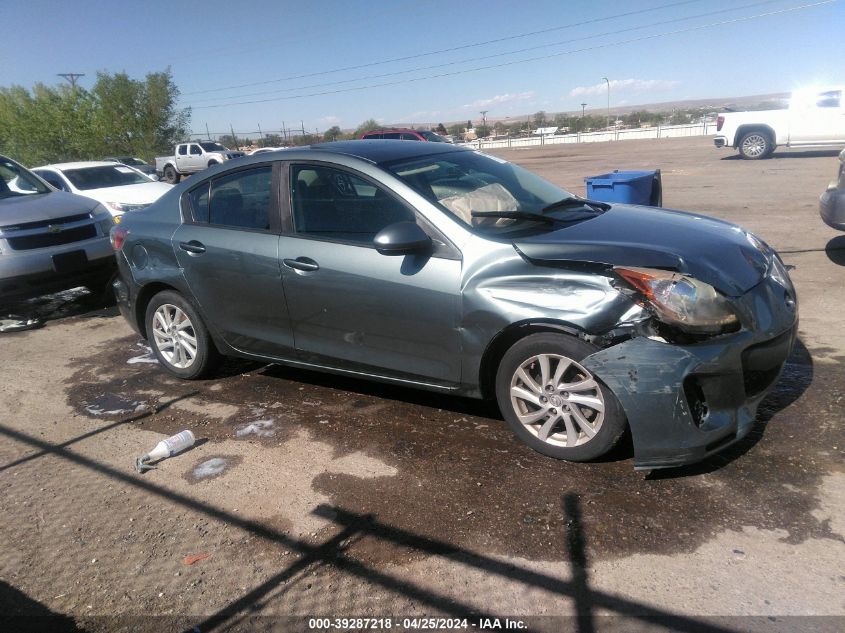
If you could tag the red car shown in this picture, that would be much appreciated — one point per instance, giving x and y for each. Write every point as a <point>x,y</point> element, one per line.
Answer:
<point>402,134</point>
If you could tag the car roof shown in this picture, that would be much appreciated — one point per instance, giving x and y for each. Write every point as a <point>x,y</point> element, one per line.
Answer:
<point>384,151</point>
<point>77,165</point>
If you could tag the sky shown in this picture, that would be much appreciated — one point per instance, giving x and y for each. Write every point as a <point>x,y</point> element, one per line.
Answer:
<point>265,63</point>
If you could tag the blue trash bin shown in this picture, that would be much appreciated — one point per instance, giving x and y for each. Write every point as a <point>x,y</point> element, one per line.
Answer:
<point>632,187</point>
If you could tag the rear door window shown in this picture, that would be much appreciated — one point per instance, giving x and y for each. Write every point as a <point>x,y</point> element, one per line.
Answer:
<point>240,200</point>
<point>410,137</point>
<point>392,135</point>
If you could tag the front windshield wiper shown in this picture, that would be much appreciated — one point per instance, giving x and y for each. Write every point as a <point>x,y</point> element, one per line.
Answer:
<point>518,215</point>
<point>575,201</point>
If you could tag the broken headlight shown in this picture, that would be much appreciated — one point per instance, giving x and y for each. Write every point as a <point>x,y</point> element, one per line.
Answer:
<point>681,301</point>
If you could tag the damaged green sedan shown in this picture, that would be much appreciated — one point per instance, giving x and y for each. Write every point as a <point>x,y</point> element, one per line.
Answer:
<point>438,267</point>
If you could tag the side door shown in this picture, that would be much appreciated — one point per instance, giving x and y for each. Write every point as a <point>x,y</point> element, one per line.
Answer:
<point>819,119</point>
<point>352,307</point>
<point>196,159</point>
<point>182,159</point>
<point>227,247</point>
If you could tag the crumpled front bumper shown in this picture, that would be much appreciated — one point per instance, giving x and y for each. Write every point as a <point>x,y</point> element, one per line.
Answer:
<point>685,402</point>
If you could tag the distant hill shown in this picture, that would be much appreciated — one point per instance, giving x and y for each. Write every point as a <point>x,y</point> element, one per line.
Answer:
<point>713,104</point>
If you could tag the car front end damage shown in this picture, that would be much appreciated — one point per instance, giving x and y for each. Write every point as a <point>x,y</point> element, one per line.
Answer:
<point>703,339</point>
<point>687,400</point>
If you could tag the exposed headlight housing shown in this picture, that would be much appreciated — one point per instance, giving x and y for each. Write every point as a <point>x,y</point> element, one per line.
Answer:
<point>681,301</point>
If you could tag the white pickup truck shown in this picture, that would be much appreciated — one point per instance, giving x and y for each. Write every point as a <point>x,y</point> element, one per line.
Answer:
<point>815,118</point>
<point>189,158</point>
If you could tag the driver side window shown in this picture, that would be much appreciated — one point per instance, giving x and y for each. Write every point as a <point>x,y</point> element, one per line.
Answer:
<point>337,205</point>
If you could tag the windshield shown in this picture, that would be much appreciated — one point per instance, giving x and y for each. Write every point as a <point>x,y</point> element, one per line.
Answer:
<point>464,183</point>
<point>213,147</point>
<point>128,160</point>
<point>432,137</point>
<point>17,181</point>
<point>104,176</point>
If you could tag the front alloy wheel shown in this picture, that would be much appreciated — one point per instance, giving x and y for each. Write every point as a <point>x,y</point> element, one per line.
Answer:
<point>557,400</point>
<point>553,403</point>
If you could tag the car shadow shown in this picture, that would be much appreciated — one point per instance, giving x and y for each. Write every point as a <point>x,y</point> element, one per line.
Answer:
<point>796,378</point>
<point>387,391</point>
<point>76,302</point>
<point>835,250</point>
<point>793,153</point>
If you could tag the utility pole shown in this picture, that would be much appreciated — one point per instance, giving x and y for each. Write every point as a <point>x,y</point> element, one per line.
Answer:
<point>583,105</point>
<point>483,114</point>
<point>234,138</point>
<point>71,77</point>
<point>207,133</point>
<point>260,137</point>
<point>285,132</point>
<point>608,101</point>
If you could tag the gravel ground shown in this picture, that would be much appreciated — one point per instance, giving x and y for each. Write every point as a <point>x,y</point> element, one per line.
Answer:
<point>311,495</point>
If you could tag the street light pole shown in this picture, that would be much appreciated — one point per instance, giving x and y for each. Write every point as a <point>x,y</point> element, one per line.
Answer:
<point>608,101</point>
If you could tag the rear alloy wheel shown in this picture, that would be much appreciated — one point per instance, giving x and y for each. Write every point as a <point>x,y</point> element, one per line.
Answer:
<point>755,145</point>
<point>553,403</point>
<point>171,175</point>
<point>178,336</point>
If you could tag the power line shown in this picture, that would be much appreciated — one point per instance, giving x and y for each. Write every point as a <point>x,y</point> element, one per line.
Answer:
<point>523,61</point>
<point>444,50</point>
<point>493,56</point>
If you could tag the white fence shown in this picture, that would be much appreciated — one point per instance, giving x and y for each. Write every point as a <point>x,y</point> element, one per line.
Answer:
<point>661,131</point>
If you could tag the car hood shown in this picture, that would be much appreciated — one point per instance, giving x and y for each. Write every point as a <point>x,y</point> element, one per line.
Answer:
<point>42,206</point>
<point>141,193</point>
<point>716,252</point>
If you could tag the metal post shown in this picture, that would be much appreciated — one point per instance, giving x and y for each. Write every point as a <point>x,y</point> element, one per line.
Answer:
<point>608,101</point>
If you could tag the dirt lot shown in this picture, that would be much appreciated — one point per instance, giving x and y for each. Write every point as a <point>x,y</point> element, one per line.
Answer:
<point>320,496</point>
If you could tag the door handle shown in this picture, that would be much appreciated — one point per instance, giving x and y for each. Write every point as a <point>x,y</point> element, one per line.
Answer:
<point>302,263</point>
<point>193,247</point>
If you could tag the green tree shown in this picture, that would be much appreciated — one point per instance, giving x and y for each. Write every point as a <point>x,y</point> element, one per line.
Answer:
<point>227,140</point>
<point>119,115</point>
<point>540,119</point>
<point>271,140</point>
<point>332,133</point>
<point>367,126</point>
<point>441,129</point>
<point>456,130</point>
<point>482,131</point>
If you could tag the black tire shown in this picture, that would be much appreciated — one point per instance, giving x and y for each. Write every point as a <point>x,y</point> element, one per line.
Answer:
<point>171,175</point>
<point>756,145</point>
<point>206,359</point>
<point>607,427</point>
<point>212,163</point>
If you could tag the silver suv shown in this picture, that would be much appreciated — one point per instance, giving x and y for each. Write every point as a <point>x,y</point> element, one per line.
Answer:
<point>49,240</point>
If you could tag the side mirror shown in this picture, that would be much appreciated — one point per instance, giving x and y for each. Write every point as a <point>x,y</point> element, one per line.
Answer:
<point>402,238</point>
<point>153,177</point>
